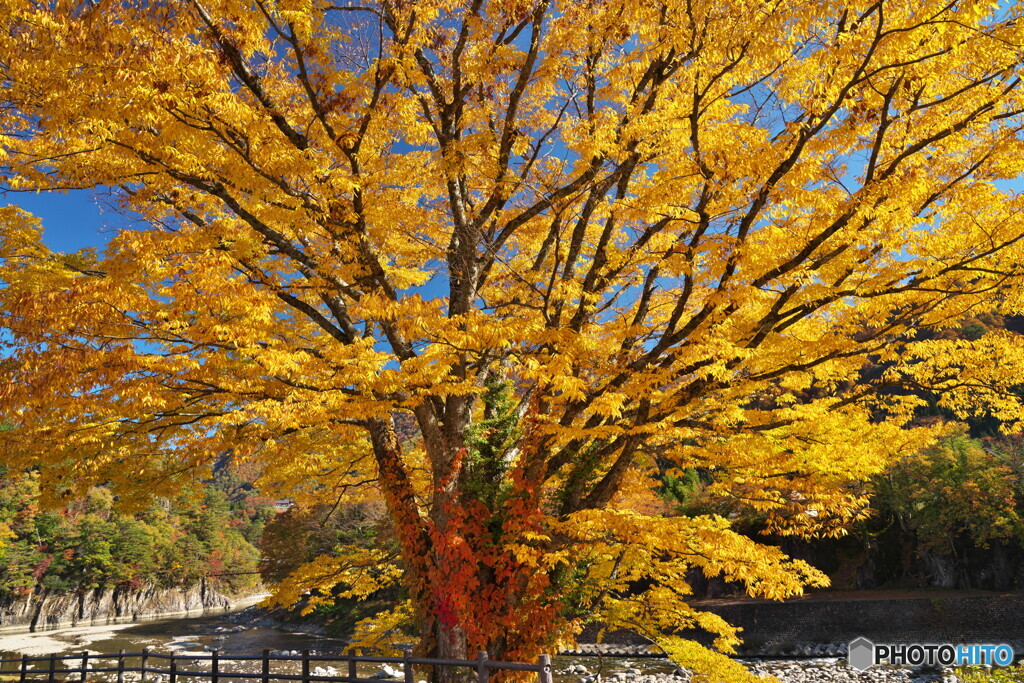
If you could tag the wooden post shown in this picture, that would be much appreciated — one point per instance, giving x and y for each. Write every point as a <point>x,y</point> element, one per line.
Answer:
<point>305,666</point>
<point>85,663</point>
<point>53,667</point>
<point>173,669</point>
<point>406,665</point>
<point>483,674</point>
<point>24,668</point>
<point>145,658</point>
<point>120,665</point>
<point>544,675</point>
<point>215,666</point>
<point>351,665</point>
<point>266,667</point>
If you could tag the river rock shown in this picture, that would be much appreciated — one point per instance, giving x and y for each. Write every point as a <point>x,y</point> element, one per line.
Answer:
<point>388,672</point>
<point>325,671</point>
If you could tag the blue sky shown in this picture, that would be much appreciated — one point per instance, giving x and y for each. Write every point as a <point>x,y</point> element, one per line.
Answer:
<point>71,220</point>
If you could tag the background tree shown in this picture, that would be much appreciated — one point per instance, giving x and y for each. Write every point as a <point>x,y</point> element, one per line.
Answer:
<point>568,239</point>
<point>955,488</point>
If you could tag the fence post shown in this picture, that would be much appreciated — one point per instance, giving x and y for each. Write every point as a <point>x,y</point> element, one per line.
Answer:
<point>351,665</point>
<point>85,663</point>
<point>266,667</point>
<point>173,669</point>
<point>544,674</point>
<point>24,668</point>
<point>214,666</point>
<point>145,658</point>
<point>407,665</point>
<point>482,672</point>
<point>305,666</point>
<point>120,665</point>
<point>53,667</point>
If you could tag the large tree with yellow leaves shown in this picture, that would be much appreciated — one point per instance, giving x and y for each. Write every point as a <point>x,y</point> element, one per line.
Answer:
<point>566,238</point>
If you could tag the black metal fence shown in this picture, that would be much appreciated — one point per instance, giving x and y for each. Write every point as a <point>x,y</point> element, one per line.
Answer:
<point>172,667</point>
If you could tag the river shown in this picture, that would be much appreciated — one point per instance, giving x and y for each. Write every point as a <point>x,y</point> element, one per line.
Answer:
<point>165,636</point>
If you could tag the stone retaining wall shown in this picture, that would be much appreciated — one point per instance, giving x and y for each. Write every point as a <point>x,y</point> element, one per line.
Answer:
<point>45,610</point>
<point>991,618</point>
<point>803,627</point>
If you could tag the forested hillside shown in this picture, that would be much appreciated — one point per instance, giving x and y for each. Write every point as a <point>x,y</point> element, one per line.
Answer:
<point>211,532</point>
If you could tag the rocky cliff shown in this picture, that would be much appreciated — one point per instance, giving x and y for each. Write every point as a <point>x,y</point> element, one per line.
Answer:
<point>45,610</point>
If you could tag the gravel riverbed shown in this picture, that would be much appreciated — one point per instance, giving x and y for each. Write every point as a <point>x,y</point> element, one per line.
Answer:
<point>837,671</point>
<point>825,670</point>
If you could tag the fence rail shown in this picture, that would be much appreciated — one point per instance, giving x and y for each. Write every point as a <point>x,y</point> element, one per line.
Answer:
<point>25,667</point>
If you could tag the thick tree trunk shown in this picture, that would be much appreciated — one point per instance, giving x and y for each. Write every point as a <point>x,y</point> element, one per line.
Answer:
<point>441,636</point>
<point>451,644</point>
<point>466,585</point>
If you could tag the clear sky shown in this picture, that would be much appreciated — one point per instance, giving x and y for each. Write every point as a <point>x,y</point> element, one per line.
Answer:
<point>72,220</point>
